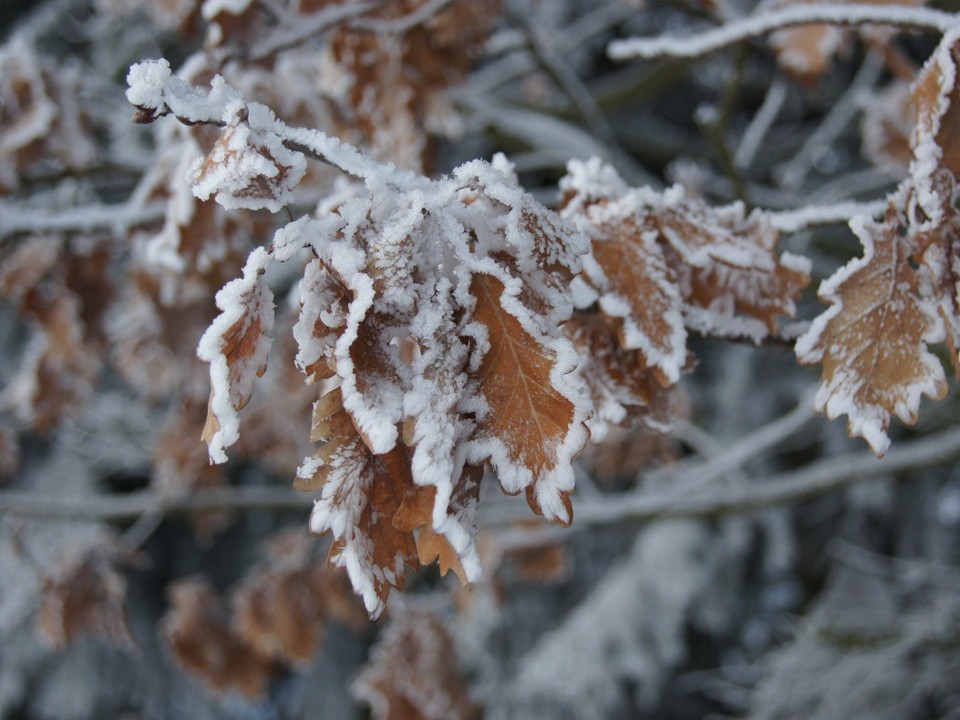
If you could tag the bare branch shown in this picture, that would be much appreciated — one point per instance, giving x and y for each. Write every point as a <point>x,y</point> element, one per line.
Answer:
<point>131,506</point>
<point>763,23</point>
<point>311,26</point>
<point>120,218</point>
<point>820,478</point>
<point>403,24</point>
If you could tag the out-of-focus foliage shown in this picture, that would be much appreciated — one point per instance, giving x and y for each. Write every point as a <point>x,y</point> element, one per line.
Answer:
<point>315,261</point>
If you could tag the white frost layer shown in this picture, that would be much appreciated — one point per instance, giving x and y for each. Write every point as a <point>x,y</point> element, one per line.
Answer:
<point>249,301</point>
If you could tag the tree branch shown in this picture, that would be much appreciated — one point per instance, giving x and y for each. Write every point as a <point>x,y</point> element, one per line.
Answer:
<point>820,478</point>
<point>18,220</point>
<point>766,22</point>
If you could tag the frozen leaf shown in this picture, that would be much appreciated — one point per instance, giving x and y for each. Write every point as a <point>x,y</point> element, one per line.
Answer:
<point>936,134</point>
<point>637,286</point>
<point>278,608</point>
<point>85,596</point>
<point>361,493</point>
<point>621,385</point>
<point>872,341</point>
<point>530,432</point>
<point>249,168</point>
<point>201,641</point>
<point>729,266</point>
<point>236,346</point>
<point>412,673</point>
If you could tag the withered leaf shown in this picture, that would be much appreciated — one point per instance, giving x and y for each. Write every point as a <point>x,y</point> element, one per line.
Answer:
<point>236,345</point>
<point>362,493</point>
<point>412,673</point>
<point>635,272</point>
<point>872,341</point>
<point>86,596</point>
<point>530,433</point>
<point>201,641</point>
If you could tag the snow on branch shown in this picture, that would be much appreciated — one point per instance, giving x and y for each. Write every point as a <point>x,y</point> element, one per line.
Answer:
<point>767,22</point>
<point>155,91</point>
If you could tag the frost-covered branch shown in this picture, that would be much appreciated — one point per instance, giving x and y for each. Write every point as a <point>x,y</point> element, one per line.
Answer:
<point>820,478</point>
<point>155,91</point>
<point>766,22</point>
<point>131,506</point>
<point>791,221</point>
<point>400,25</point>
<point>317,23</point>
<point>18,220</point>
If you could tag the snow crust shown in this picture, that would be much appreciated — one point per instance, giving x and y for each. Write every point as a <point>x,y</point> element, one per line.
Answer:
<point>249,301</point>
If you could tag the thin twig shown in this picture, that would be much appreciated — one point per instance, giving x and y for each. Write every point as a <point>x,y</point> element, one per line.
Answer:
<point>403,24</point>
<point>18,220</point>
<point>791,221</point>
<point>760,125</point>
<point>761,24</point>
<point>820,478</point>
<point>131,506</point>
<point>568,81</point>
<point>311,26</point>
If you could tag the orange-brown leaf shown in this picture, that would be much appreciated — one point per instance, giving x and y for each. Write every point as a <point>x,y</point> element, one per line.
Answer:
<point>202,642</point>
<point>412,673</point>
<point>872,341</point>
<point>636,272</point>
<point>531,431</point>
<point>85,597</point>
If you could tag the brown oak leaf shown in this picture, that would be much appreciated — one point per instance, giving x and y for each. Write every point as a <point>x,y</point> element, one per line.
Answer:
<point>872,341</point>
<point>202,642</point>
<point>236,345</point>
<point>412,673</point>
<point>362,492</point>
<point>85,596</point>
<point>530,428</point>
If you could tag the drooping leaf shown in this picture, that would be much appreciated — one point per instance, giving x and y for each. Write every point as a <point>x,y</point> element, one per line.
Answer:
<point>85,596</point>
<point>198,636</point>
<point>872,341</point>
<point>530,431</point>
<point>412,673</point>
<point>236,346</point>
<point>361,494</point>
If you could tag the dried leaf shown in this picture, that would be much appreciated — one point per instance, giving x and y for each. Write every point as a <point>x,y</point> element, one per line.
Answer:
<point>236,346</point>
<point>936,134</point>
<point>202,643</point>
<point>85,596</point>
<point>412,673</point>
<point>872,341</point>
<point>728,265</point>
<point>637,285</point>
<point>530,432</point>
<point>249,166</point>
<point>362,493</point>
<point>277,609</point>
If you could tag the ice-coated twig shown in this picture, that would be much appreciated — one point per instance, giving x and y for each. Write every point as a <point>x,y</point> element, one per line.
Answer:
<point>402,24</point>
<point>791,221</point>
<point>155,91</point>
<point>760,125</point>
<point>820,478</point>
<point>311,26</point>
<point>18,220</point>
<point>766,22</point>
<point>793,172</point>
